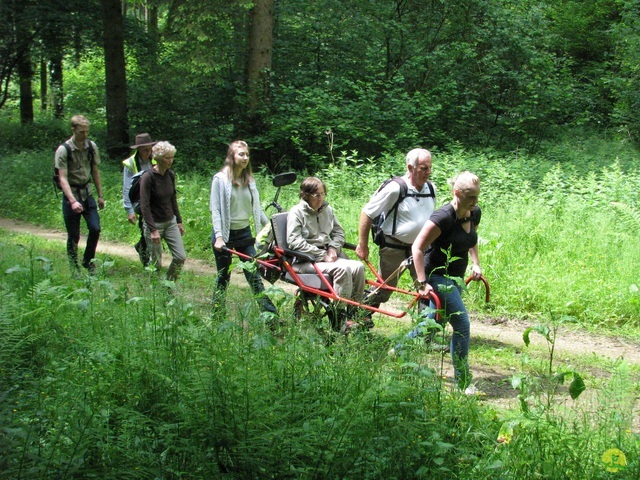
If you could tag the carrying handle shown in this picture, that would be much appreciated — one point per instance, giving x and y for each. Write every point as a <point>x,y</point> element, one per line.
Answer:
<point>487,290</point>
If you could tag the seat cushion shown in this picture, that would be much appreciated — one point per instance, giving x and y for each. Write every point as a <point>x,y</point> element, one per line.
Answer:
<point>310,280</point>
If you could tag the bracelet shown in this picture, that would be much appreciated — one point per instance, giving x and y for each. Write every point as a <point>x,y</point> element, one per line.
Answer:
<point>420,284</point>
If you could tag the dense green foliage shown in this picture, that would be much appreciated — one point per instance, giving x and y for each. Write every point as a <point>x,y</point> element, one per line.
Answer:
<point>114,377</point>
<point>572,208</point>
<point>111,377</point>
<point>377,77</point>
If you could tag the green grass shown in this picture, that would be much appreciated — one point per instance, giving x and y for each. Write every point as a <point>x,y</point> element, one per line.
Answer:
<point>115,376</point>
<point>112,377</point>
<point>555,237</point>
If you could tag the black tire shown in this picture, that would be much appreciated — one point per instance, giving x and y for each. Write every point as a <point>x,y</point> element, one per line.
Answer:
<point>315,308</point>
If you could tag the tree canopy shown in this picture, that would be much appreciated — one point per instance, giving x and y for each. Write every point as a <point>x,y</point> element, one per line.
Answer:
<point>302,78</point>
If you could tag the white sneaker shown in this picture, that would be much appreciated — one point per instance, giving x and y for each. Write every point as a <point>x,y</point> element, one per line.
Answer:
<point>394,350</point>
<point>471,390</point>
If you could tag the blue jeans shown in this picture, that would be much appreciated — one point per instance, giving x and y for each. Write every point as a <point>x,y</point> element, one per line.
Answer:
<point>450,295</point>
<point>240,241</point>
<point>72,224</point>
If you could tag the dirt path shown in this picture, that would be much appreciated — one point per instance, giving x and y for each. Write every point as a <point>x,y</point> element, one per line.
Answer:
<point>484,330</point>
<point>104,248</point>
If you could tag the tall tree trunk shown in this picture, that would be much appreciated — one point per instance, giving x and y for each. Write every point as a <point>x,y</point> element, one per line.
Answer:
<point>152,30</point>
<point>153,35</point>
<point>43,85</point>
<point>260,55</point>
<point>152,21</point>
<point>25,73</point>
<point>116,79</point>
<point>55,78</point>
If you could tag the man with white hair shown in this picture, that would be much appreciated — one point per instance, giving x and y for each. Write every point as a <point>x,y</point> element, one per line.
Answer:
<point>406,202</point>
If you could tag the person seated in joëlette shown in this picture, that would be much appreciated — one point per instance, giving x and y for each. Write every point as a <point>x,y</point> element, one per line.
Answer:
<point>314,229</point>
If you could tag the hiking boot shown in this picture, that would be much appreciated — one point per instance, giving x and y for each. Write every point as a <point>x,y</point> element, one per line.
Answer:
<point>142,255</point>
<point>438,347</point>
<point>348,327</point>
<point>298,308</point>
<point>360,316</point>
<point>433,345</point>
<point>90,266</point>
<point>367,321</point>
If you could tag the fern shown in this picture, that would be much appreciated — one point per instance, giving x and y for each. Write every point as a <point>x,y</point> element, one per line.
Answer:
<point>14,340</point>
<point>628,215</point>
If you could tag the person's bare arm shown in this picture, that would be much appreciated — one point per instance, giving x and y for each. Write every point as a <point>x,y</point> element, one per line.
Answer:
<point>364,227</point>
<point>476,271</point>
<point>95,174</point>
<point>66,189</point>
<point>427,235</point>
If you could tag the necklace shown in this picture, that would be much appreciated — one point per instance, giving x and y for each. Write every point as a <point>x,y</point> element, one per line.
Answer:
<point>458,219</point>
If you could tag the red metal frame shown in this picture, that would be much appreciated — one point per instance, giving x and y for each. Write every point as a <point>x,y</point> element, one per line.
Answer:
<point>281,264</point>
<point>487,290</point>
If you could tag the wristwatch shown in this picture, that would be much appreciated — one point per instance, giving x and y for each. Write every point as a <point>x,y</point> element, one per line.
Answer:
<point>420,284</point>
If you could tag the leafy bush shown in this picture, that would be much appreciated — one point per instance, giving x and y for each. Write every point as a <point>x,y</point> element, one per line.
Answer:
<point>124,381</point>
<point>539,217</point>
<point>27,138</point>
<point>111,377</point>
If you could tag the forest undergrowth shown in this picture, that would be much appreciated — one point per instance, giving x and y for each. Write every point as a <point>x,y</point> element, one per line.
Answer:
<point>122,375</point>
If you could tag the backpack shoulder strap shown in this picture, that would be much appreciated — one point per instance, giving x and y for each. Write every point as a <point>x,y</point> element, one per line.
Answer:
<point>431,194</point>
<point>91,151</point>
<point>69,157</point>
<point>403,194</point>
<point>403,188</point>
<point>68,149</point>
<point>172,174</point>
<point>141,174</point>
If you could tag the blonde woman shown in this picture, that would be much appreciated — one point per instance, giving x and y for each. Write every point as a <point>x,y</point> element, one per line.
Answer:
<point>452,238</point>
<point>233,203</point>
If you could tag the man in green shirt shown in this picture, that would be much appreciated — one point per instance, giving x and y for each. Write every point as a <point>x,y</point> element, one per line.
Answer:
<point>77,165</point>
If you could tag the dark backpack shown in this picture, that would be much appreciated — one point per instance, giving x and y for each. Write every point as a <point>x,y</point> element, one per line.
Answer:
<point>376,223</point>
<point>91,155</point>
<point>134,190</point>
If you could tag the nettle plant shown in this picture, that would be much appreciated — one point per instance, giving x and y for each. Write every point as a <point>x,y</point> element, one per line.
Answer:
<point>549,382</point>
